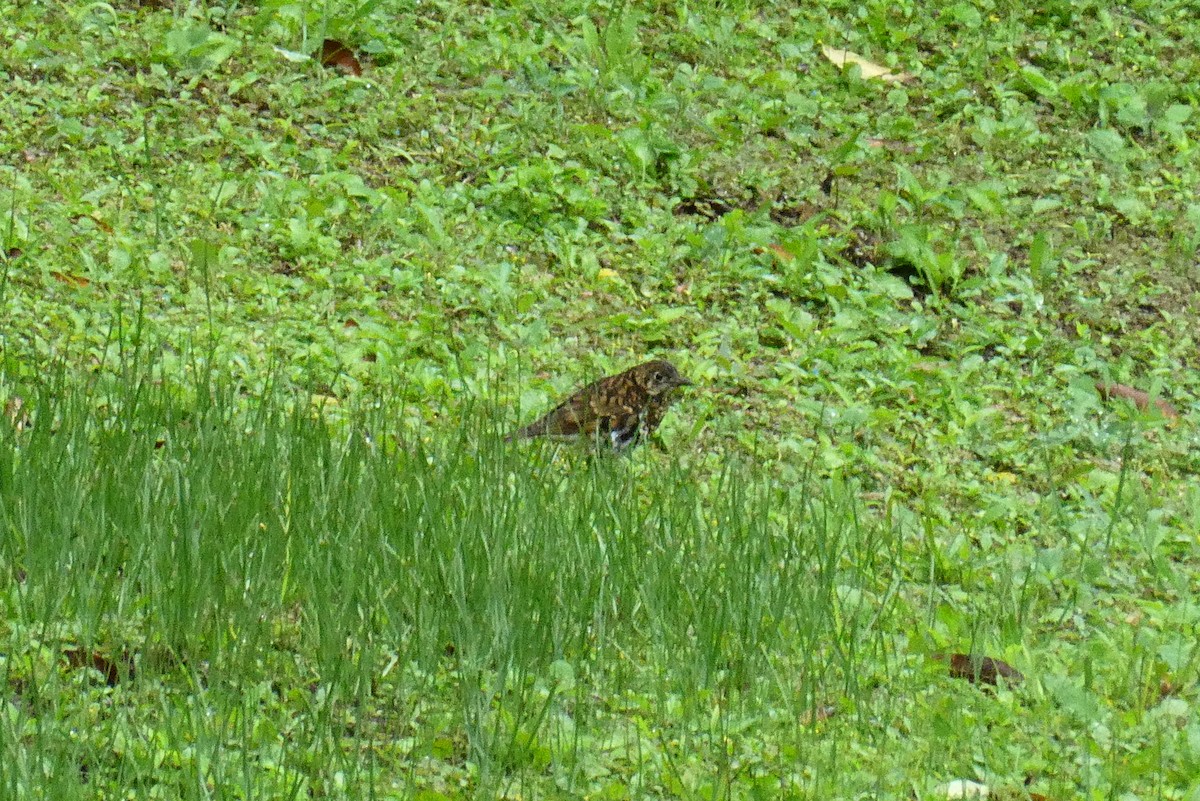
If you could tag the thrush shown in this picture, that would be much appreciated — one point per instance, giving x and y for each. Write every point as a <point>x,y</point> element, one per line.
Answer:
<point>619,410</point>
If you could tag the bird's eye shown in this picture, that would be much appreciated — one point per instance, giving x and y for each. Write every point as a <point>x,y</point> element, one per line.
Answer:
<point>658,377</point>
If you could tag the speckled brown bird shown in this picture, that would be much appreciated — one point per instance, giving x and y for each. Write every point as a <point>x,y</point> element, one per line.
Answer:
<point>619,410</point>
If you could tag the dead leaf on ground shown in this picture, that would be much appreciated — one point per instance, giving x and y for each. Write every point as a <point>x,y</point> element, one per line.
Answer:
<point>70,278</point>
<point>891,144</point>
<point>869,69</point>
<point>99,223</point>
<point>980,669</point>
<point>783,253</point>
<point>336,54</point>
<point>1139,398</point>
<point>13,253</point>
<point>111,669</point>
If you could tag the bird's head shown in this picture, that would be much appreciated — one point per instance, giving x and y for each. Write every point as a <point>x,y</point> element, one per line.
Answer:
<point>660,376</point>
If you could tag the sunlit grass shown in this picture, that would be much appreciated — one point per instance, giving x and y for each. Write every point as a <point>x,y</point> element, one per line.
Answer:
<point>287,599</point>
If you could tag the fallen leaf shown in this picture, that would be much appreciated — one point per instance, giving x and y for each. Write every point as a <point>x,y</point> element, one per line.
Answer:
<point>350,323</point>
<point>70,278</point>
<point>99,223</point>
<point>783,253</point>
<point>295,56</point>
<point>891,144</point>
<point>870,69</point>
<point>336,54</point>
<point>13,253</point>
<point>1139,398</point>
<point>981,669</point>
<point>78,658</point>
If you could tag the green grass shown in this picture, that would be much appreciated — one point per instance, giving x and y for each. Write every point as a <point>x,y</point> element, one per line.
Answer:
<point>326,296</point>
<point>287,594</point>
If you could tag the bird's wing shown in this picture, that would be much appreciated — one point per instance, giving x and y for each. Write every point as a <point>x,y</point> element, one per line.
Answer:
<point>573,416</point>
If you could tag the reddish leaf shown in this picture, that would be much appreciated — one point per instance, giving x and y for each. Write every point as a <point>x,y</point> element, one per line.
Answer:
<point>77,658</point>
<point>783,253</point>
<point>1139,398</point>
<point>70,278</point>
<point>350,323</point>
<point>336,54</point>
<point>981,669</point>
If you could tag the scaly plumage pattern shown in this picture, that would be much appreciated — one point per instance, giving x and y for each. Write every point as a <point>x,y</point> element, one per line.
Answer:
<point>619,410</point>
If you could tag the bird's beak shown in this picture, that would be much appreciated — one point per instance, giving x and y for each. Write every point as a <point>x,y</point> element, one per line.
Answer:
<point>685,382</point>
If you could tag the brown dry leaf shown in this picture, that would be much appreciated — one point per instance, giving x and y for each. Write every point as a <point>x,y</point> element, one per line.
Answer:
<point>783,253</point>
<point>1139,398</point>
<point>70,278</point>
<point>350,323</point>
<point>111,669</point>
<point>981,669</point>
<point>336,54</point>
<point>870,69</point>
<point>95,220</point>
<point>13,253</point>
<point>891,144</point>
